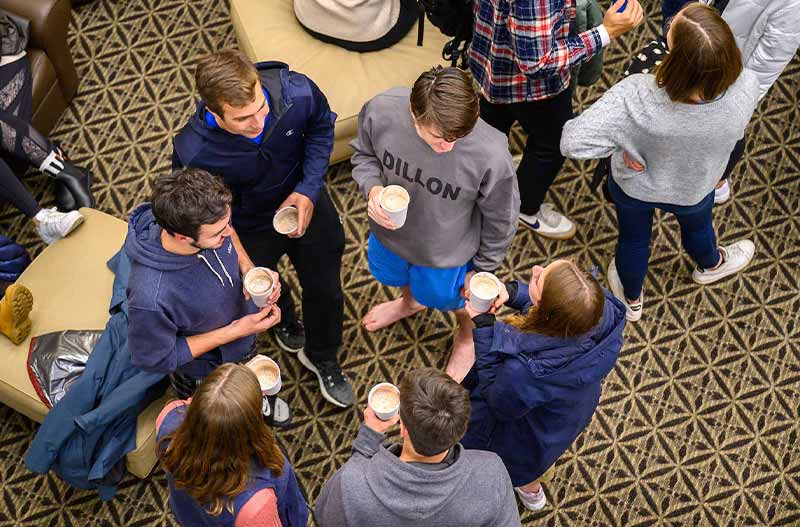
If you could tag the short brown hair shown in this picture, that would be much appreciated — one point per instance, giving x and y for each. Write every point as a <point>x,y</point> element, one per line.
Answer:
<point>445,98</point>
<point>212,452</point>
<point>225,77</point>
<point>434,409</point>
<point>703,59</point>
<point>188,198</point>
<point>572,303</point>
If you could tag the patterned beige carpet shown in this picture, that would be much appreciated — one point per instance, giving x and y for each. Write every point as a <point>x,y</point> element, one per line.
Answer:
<point>698,424</point>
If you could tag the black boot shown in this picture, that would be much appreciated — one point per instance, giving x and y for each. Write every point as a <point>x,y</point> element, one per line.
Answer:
<point>73,188</point>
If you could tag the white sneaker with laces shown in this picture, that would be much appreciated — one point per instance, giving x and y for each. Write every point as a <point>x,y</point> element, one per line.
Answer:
<point>735,257</point>
<point>633,311</point>
<point>533,501</point>
<point>549,223</point>
<point>723,193</point>
<point>53,225</point>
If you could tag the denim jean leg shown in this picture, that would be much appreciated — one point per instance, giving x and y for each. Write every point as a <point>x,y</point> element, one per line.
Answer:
<point>633,245</point>
<point>697,233</point>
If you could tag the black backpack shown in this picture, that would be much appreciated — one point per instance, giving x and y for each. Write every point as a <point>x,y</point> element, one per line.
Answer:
<point>453,18</point>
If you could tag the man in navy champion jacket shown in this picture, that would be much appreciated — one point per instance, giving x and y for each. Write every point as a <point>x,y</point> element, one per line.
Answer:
<point>268,132</point>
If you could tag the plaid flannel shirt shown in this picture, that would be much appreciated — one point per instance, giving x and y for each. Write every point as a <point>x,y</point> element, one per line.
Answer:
<point>521,50</point>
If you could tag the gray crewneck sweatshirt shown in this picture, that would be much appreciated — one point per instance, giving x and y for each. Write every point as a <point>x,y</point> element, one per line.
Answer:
<point>376,488</point>
<point>684,147</point>
<point>464,203</point>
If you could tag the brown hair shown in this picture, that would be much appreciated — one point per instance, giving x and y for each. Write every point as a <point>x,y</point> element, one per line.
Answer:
<point>572,303</point>
<point>211,453</point>
<point>434,409</point>
<point>225,77</point>
<point>188,198</point>
<point>445,99</point>
<point>703,59</point>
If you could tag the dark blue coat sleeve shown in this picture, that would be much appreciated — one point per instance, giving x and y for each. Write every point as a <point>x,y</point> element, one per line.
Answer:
<point>318,144</point>
<point>154,342</point>
<point>521,301</point>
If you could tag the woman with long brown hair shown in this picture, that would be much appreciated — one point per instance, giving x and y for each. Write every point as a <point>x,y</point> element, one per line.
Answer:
<point>223,465</point>
<point>670,136</point>
<point>537,375</point>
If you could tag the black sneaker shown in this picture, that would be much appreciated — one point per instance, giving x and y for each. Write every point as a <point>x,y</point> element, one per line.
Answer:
<point>291,336</point>
<point>335,387</point>
<point>283,414</point>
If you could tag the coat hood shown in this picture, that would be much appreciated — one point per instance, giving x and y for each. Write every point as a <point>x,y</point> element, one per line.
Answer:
<point>143,243</point>
<point>565,363</point>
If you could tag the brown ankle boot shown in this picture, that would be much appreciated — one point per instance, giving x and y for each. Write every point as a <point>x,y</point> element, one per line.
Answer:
<point>14,309</point>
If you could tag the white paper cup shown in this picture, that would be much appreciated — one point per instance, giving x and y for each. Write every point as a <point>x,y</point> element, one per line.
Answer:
<point>285,220</point>
<point>394,201</point>
<point>383,411</point>
<point>484,288</point>
<point>259,294</point>
<point>268,373</point>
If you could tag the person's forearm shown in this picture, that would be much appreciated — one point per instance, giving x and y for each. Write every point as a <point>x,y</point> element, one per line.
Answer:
<point>205,342</point>
<point>244,258</point>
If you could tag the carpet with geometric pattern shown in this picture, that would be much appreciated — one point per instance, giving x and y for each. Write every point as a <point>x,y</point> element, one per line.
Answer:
<point>698,423</point>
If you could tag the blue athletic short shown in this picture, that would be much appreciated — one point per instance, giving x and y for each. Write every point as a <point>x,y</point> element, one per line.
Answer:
<point>436,288</point>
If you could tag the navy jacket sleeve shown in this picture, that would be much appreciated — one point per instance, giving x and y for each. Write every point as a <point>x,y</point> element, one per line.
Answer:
<point>154,342</point>
<point>519,298</point>
<point>318,144</point>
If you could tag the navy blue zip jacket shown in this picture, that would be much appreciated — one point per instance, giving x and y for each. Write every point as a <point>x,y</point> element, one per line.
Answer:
<point>173,296</point>
<point>86,435</point>
<point>293,155</point>
<point>535,394</point>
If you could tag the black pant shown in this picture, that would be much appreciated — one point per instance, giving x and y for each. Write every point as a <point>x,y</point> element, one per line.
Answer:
<point>736,156</point>
<point>21,143</point>
<point>317,258</point>
<point>542,159</point>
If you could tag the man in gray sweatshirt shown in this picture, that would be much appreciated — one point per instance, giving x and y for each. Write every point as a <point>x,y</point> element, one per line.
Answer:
<point>429,479</point>
<point>464,199</point>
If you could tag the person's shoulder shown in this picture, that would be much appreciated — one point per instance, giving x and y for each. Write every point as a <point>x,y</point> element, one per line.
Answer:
<point>145,285</point>
<point>390,99</point>
<point>483,460</point>
<point>171,416</point>
<point>748,81</point>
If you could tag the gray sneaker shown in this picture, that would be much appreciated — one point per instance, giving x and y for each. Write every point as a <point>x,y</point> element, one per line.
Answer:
<point>283,414</point>
<point>335,387</point>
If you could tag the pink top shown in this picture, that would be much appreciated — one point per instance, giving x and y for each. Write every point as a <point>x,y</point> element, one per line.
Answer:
<point>261,510</point>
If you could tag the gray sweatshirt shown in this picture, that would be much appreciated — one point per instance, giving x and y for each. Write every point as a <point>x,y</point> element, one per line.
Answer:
<point>684,147</point>
<point>464,203</point>
<point>377,489</point>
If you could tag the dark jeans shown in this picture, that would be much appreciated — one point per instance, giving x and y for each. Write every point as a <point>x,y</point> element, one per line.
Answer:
<point>635,219</point>
<point>541,159</point>
<point>317,258</point>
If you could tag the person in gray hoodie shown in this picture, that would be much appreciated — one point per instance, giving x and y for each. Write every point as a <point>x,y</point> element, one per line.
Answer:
<point>464,199</point>
<point>429,480</point>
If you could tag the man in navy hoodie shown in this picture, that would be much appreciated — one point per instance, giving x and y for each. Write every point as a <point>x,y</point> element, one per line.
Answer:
<point>187,308</point>
<point>268,132</point>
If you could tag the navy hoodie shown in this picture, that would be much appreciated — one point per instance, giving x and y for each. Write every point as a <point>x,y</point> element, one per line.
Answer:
<point>293,155</point>
<point>173,296</point>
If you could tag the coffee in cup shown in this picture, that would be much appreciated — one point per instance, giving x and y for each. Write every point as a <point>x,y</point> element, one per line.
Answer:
<point>484,288</point>
<point>259,284</point>
<point>384,399</point>
<point>268,374</point>
<point>286,220</point>
<point>394,201</point>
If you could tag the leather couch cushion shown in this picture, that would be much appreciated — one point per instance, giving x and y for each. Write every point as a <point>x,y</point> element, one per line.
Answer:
<point>71,288</point>
<point>268,30</point>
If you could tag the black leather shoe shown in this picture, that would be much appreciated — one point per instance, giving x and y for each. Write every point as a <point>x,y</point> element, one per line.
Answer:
<point>73,188</point>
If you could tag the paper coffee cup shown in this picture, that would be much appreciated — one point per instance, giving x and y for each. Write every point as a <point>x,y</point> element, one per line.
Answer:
<point>268,373</point>
<point>384,399</point>
<point>394,201</point>
<point>258,282</point>
<point>285,220</point>
<point>484,288</point>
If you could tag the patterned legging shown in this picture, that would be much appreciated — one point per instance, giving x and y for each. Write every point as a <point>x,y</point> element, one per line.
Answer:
<point>20,141</point>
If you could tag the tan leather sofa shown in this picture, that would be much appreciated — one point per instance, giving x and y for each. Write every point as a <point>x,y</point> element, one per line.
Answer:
<point>55,80</point>
<point>268,30</point>
<point>71,288</point>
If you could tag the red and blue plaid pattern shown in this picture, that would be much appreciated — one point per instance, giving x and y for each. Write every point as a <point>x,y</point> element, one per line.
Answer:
<point>521,50</point>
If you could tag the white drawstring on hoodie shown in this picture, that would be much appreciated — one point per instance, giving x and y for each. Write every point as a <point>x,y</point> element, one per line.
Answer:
<point>224,270</point>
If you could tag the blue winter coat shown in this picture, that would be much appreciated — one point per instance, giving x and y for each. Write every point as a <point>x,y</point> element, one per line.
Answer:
<point>293,155</point>
<point>535,394</point>
<point>87,434</point>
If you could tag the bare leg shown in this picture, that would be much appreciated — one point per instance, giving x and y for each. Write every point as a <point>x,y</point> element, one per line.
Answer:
<point>533,487</point>
<point>388,313</point>
<point>462,357</point>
